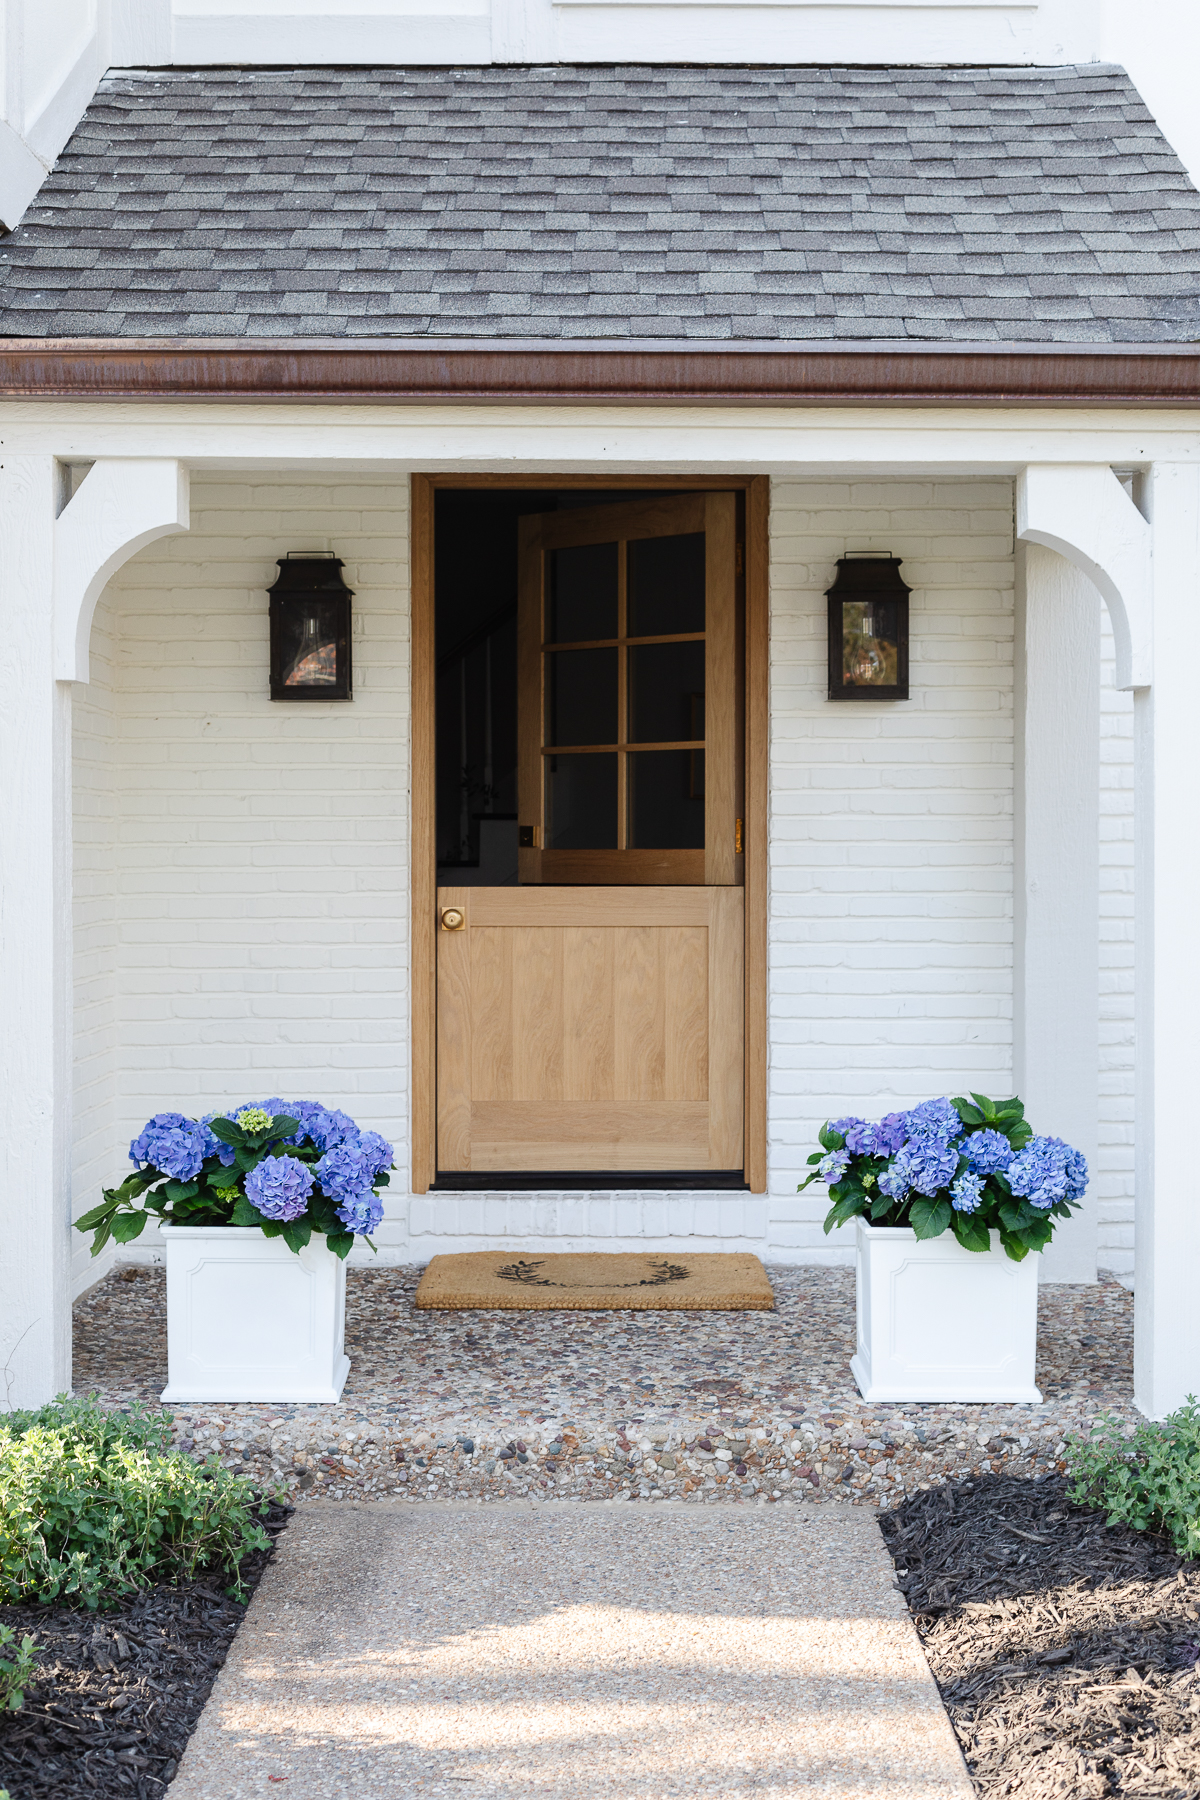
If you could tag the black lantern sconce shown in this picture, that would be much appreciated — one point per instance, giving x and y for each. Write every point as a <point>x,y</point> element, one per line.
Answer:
<point>310,629</point>
<point>868,629</point>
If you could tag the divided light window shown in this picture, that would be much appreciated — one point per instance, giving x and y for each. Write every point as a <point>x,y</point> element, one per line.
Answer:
<point>627,715</point>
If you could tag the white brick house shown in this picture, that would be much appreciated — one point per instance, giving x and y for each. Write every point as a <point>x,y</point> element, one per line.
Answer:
<point>207,897</point>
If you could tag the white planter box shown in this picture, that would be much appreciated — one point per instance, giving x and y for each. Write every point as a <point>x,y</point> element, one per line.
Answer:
<point>248,1320</point>
<point>937,1322</point>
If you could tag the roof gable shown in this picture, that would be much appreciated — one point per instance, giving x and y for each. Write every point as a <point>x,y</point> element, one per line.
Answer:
<point>703,204</point>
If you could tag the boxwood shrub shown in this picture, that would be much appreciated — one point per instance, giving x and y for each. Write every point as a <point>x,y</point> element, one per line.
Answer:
<point>94,1504</point>
<point>1150,1479</point>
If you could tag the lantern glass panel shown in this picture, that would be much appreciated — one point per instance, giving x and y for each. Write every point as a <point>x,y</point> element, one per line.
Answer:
<point>309,643</point>
<point>870,643</point>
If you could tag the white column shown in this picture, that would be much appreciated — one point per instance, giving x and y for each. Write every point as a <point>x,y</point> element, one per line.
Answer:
<point>1167,909</point>
<point>1056,879</point>
<point>35,950</point>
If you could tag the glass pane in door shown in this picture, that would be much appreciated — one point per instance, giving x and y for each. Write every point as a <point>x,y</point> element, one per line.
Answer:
<point>666,800</point>
<point>666,585</point>
<point>666,693</point>
<point>581,802</point>
<point>581,599</point>
<point>581,697</point>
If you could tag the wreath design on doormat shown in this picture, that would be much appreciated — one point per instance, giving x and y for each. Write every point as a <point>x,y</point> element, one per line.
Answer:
<point>525,1274</point>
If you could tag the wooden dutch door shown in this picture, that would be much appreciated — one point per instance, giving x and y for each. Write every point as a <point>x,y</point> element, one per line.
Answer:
<point>590,1019</point>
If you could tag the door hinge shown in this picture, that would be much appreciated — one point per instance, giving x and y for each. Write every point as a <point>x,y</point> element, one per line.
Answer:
<point>527,837</point>
<point>737,837</point>
<point>738,559</point>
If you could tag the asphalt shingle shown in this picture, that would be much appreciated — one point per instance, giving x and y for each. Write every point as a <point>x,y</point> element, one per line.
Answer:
<point>574,202</point>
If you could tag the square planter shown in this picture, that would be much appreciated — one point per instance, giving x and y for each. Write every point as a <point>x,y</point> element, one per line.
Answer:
<point>249,1320</point>
<point>937,1322</point>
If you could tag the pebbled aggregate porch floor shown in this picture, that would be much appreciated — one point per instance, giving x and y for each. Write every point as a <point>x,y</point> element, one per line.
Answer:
<point>705,1408</point>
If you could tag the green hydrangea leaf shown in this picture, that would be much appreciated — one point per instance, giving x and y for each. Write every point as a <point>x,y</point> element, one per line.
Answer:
<point>971,1232</point>
<point>89,1220</point>
<point>929,1218</point>
<point>227,1131</point>
<point>128,1225</point>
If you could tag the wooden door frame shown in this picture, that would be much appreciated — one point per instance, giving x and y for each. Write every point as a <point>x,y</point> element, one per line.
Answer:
<point>423,956</point>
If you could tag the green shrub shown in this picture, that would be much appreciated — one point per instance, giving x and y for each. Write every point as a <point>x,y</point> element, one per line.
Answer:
<point>93,1505</point>
<point>1150,1480</point>
<point>16,1666</point>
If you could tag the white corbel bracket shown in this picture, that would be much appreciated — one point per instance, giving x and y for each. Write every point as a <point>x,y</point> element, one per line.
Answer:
<point>122,504</point>
<point>1082,511</point>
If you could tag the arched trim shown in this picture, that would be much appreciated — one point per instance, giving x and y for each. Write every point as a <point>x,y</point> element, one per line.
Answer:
<point>1082,511</point>
<point>122,504</point>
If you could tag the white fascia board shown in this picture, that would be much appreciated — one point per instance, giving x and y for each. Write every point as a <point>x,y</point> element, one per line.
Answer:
<point>461,33</point>
<point>21,175</point>
<point>65,106</point>
<point>546,437</point>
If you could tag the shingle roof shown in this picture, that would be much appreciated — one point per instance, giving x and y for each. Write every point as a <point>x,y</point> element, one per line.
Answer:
<point>1006,204</point>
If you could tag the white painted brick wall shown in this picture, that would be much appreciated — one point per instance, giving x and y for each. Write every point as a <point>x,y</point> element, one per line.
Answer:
<point>891,826</point>
<point>1114,1176</point>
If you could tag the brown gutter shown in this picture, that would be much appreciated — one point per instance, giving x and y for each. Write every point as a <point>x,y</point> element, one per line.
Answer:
<point>632,373</point>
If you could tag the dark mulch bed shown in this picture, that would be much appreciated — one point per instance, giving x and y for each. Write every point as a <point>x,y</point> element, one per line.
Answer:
<point>1066,1652</point>
<point>117,1694</point>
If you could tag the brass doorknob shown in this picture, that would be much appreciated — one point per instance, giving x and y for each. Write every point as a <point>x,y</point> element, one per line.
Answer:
<point>453,918</point>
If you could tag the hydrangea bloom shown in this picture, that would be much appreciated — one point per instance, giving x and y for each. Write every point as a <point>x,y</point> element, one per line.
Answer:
<point>322,1126</point>
<point>888,1135</point>
<point>933,1119</point>
<point>927,1165</point>
<point>893,1180</point>
<point>362,1214</point>
<point>253,1118</point>
<point>376,1146</point>
<point>212,1144</point>
<point>855,1133</point>
<point>280,1187</point>
<point>966,1192</point>
<point>988,1151</point>
<point>1047,1170</point>
<point>347,1170</point>
<point>831,1168</point>
<point>171,1143</point>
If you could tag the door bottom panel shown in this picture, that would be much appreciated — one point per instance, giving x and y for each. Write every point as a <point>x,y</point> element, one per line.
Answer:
<point>590,1029</point>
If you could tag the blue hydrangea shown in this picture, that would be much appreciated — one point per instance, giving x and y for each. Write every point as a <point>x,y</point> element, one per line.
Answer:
<point>893,1181</point>
<point>855,1133</point>
<point>926,1164</point>
<point>988,1151</point>
<point>377,1147</point>
<point>348,1168</point>
<point>888,1135</point>
<point>966,1192</point>
<point>362,1214</point>
<point>280,1187</point>
<point>172,1144</point>
<point>322,1125</point>
<point>831,1168</point>
<point>933,1119</point>
<point>1046,1171</point>
<point>212,1144</point>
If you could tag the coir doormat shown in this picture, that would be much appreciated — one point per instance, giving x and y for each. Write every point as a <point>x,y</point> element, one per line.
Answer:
<point>596,1282</point>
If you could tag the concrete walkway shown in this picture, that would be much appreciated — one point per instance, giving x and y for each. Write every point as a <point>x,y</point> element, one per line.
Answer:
<point>553,1650</point>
